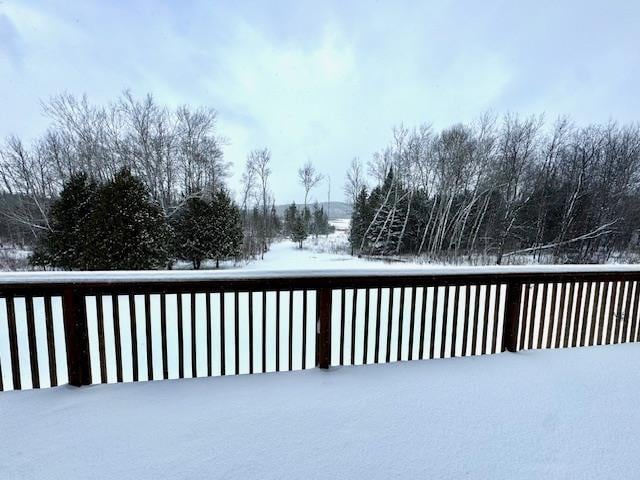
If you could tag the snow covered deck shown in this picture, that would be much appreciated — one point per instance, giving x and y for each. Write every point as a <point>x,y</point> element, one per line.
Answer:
<point>568,413</point>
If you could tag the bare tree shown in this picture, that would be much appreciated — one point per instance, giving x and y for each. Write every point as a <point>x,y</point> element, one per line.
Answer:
<point>355,181</point>
<point>258,163</point>
<point>309,178</point>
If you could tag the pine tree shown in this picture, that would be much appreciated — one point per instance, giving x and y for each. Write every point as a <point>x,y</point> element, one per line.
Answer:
<point>227,222</point>
<point>194,232</point>
<point>320,224</point>
<point>299,231</point>
<point>360,219</point>
<point>65,245</point>
<point>127,230</point>
<point>290,219</point>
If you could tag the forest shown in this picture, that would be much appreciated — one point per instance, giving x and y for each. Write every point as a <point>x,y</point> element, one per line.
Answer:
<point>501,190</point>
<point>135,184</point>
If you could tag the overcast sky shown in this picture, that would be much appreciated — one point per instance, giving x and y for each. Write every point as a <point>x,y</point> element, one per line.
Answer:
<point>323,80</point>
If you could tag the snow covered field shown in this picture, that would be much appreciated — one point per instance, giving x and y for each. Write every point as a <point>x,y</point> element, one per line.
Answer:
<point>544,414</point>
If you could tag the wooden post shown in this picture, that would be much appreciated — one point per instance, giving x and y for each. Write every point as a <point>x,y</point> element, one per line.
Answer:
<point>323,329</point>
<point>512,317</point>
<point>77,337</point>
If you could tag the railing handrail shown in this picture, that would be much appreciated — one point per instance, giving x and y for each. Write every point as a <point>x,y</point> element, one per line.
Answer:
<point>234,275</point>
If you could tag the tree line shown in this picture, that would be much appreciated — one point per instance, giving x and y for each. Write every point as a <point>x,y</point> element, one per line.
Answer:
<point>501,190</point>
<point>134,185</point>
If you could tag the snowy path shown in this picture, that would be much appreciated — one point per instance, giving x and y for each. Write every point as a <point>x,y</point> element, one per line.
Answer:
<point>546,414</point>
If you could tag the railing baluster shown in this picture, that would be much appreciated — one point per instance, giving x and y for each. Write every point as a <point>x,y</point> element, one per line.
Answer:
<point>264,331</point>
<point>278,331</point>
<point>304,327</point>
<point>236,314</point>
<point>603,308</point>
<point>543,315</point>
<point>365,339</point>
<point>576,316</point>
<point>116,336</point>
<point>552,315</point>
<point>476,319</point>
<point>223,359</point>
<point>389,326</point>
<point>636,297</point>
<point>207,297</point>
<point>561,315</point>
<point>194,345</point>
<point>619,313</point>
<point>496,319</point>
<point>134,336</point>
<point>569,318</point>
<point>250,333</point>
<point>445,314</point>
<point>434,318</point>
<point>101,342</point>
<point>163,335</point>
<point>290,330</point>
<point>594,313</point>
<point>354,313</point>
<point>149,342</point>
<point>412,321</point>
<point>423,323</point>
<point>627,314</point>
<point>465,326</point>
<point>51,345</point>
<point>378,308</point>
<point>33,345</point>
<point>612,313</point>
<point>400,323</point>
<point>532,317</point>
<point>454,320</point>
<point>525,316</point>
<point>180,323</point>
<point>342,325</point>
<point>585,314</point>
<point>485,325</point>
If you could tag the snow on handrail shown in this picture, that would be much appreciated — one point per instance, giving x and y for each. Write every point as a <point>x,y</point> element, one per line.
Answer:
<point>164,276</point>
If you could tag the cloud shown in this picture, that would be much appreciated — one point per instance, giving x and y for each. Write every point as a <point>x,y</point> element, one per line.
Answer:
<point>324,81</point>
<point>10,44</point>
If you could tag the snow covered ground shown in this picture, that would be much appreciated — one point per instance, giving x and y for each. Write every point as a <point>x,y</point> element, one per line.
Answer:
<point>545,414</point>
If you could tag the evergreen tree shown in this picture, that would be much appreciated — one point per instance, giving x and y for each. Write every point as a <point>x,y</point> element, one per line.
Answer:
<point>290,219</point>
<point>126,229</point>
<point>65,244</point>
<point>296,224</point>
<point>299,232</point>
<point>307,218</point>
<point>227,223</point>
<point>194,231</point>
<point>320,224</point>
<point>360,219</point>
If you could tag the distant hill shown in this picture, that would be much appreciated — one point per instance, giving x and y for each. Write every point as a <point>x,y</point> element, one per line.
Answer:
<point>336,209</point>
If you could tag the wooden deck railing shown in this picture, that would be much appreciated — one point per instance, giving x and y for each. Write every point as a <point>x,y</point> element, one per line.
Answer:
<point>84,328</point>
